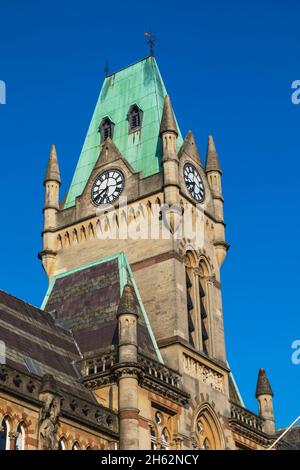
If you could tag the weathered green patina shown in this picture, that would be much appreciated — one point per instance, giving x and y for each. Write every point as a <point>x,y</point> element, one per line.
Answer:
<point>140,84</point>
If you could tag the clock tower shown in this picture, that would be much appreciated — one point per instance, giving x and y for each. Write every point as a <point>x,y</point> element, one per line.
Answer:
<point>134,166</point>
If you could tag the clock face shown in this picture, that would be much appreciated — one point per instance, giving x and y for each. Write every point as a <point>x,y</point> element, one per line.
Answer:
<point>194,182</point>
<point>108,187</point>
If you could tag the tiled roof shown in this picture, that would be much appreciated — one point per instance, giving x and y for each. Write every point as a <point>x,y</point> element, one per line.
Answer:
<point>86,301</point>
<point>79,321</point>
<point>32,337</point>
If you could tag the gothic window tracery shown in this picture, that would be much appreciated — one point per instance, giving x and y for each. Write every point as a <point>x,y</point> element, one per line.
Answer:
<point>162,428</point>
<point>207,431</point>
<point>198,302</point>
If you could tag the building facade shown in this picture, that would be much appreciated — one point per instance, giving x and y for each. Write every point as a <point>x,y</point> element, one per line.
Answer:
<point>128,348</point>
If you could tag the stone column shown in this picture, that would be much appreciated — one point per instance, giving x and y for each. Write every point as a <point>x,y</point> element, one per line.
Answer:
<point>128,371</point>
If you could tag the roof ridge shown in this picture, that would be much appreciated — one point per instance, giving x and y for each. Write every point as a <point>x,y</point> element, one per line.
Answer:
<point>128,66</point>
<point>18,298</point>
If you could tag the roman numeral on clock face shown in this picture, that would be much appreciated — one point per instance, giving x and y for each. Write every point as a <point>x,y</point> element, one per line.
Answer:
<point>107,187</point>
<point>193,182</point>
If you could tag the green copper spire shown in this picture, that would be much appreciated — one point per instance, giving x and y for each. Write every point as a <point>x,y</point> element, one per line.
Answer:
<point>139,84</point>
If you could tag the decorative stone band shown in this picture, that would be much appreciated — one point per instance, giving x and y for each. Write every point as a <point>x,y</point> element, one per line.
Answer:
<point>124,370</point>
<point>23,385</point>
<point>129,414</point>
<point>205,374</point>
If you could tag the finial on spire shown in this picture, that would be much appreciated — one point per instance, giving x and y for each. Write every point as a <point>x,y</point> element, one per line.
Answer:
<point>263,385</point>
<point>168,123</point>
<point>106,69</point>
<point>189,147</point>
<point>52,171</point>
<point>127,304</point>
<point>212,159</point>
<point>151,41</point>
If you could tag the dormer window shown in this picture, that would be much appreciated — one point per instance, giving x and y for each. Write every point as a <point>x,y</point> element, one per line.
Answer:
<point>134,116</point>
<point>106,129</point>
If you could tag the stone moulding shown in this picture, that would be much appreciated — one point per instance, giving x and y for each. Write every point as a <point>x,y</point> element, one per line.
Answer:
<point>152,375</point>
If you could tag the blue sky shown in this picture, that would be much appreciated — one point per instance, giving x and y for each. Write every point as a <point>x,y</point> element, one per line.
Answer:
<point>228,67</point>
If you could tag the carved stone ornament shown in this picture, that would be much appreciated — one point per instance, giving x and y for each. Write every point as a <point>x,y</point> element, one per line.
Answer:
<point>200,371</point>
<point>128,370</point>
<point>49,420</point>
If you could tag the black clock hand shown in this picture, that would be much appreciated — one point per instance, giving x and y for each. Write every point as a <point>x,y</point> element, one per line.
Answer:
<point>101,192</point>
<point>99,197</point>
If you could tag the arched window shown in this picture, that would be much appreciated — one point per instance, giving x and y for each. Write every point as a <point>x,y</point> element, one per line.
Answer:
<point>4,435</point>
<point>76,446</point>
<point>62,444</point>
<point>106,129</point>
<point>198,280</point>
<point>134,116</point>
<point>19,443</point>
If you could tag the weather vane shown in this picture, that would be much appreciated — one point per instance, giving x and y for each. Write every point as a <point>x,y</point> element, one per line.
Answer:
<point>106,69</point>
<point>151,41</point>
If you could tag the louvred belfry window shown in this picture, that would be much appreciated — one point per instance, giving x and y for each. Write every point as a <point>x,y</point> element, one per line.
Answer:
<point>135,116</point>
<point>203,317</point>
<point>190,307</point>
<point>106,129</point>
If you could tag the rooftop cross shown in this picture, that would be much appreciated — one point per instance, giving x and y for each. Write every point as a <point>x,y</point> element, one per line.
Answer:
<point>151,41</point>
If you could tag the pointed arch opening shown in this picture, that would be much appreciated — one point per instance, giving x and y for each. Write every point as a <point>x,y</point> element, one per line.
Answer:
<point>62,444</point>
<point>207,430</point>
<point>106,129</point>
<point>191,297</point>
<point>19,442</point>
<point>198,295</point>
<point>4,434</point>
<point>76,446</point>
